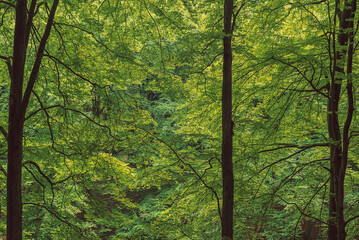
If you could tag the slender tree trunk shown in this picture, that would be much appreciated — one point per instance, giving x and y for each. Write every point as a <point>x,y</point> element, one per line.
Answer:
<point>16,122</point>
<point>339,145</point>
<point>227,126</point>
<point>17,108</point>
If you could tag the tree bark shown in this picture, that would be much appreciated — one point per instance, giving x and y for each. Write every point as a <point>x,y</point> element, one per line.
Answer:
<point>16,123</point>
<point>227,126</point>
<point>17,109</point>
<point>339,145</point>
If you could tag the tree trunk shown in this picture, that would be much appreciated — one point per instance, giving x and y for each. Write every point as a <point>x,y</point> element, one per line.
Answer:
<point>17,108</point>
<point>16,122</point>
<point>227,126</point>
<point>339,145</point>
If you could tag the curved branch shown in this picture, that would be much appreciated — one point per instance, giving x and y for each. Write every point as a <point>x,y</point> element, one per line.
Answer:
<point>8,3</point>
<point>2,169</point>
<point>39,56</point>
<point>199,177</point>
<point>50,128</point>
<point>235,16</point>
<point>283,159</point>
<point>3,131</point>
<point>39,170</point>
<point>8,63</point>
<point>39,110</point>
<point>56,215</point>
<point>98,41</point>
<point>351,219</point>
<point>76,111</point>
<point>302,211</point>
<point>303,75</point>
<point>56,60</point>
<point>289,145</point>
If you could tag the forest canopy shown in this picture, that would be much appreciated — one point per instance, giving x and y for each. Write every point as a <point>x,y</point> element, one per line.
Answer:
<point>156,119</point>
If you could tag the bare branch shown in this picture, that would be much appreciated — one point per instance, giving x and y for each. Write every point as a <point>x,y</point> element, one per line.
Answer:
<point>39,5</point>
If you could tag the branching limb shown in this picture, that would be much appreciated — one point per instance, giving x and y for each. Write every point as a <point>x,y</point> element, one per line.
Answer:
<point>2,169</point>
<point>302,211</point>
<point>302,74</point>
<point>8,3</point>
<point>39,56</point>
<point>8,63</point>
<point>39,110</point>
<point>97,40</point>
<point>351,219</point>
<point>49,126</point>
<point>353,134</point>
<point>318,2</point>
<point>37,180</point>
<point>46,177</point>
<point>39,170</point>
<point>3,131</point>
<point>33,176</point>
<point>96,123</point>
<point>289,145</point>
<point>55,59</point>
<point>286,158</point>
<point>76,111</point>
<point>305,90</point>
<point>199,177</point>
<point>56,215</point>
<point>29,21</point>
<point>235,16</point>
<point>39,5</point>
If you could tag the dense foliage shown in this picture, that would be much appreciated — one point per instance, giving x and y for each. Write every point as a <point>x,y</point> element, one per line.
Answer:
<point>122,134</point>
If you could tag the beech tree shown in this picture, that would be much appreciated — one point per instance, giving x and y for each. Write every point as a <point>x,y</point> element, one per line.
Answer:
<point>227,126</point>
<point>122,129</point>
<point>324,78</point>
<point>18,103</point>
<point>339,133</point>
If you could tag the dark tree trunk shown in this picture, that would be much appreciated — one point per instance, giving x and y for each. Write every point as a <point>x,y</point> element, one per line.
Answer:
<point>17,108</point>
<point>16,122</point>
<point>227,126</point>
<point>339,145</point>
